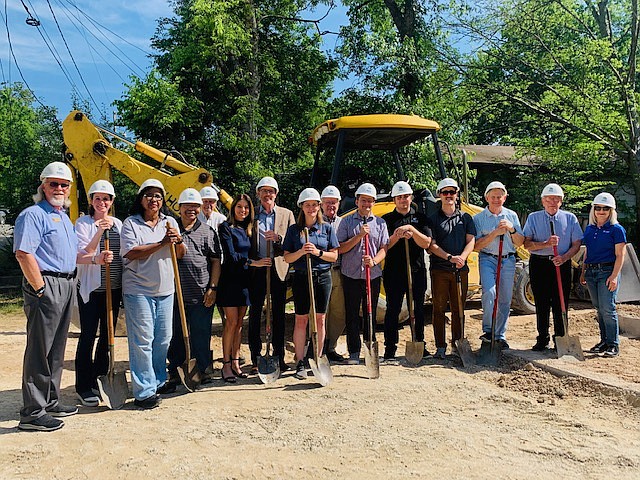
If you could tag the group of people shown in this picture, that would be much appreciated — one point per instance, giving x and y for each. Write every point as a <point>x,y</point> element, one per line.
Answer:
<point>234,262</point>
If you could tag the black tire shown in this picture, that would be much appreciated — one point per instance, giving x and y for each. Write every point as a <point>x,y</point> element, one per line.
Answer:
<point>522,301</point>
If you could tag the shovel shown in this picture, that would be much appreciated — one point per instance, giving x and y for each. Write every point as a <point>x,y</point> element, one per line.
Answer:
<point>371,359</point>
<point>462,344</point>
<point>113,386</point>
<point>414,350</point>
<point>489,354</point>
<point>268,366</point>
<point>320,365</point>
<point>565,345</point>
<point>188,371</point>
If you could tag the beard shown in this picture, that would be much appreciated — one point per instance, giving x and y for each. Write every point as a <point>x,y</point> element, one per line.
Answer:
<point>57,201</point>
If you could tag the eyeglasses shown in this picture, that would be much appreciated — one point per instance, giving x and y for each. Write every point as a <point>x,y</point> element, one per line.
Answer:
<point>448,192</point>
<point>57,184</point>
<point>597,208</point>
<point>153,196</point>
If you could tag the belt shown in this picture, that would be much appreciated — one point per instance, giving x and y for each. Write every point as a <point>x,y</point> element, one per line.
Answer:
<point>600,265</point>
<point>510,254</point>
<point>542,257</point>
<point>67,275</point>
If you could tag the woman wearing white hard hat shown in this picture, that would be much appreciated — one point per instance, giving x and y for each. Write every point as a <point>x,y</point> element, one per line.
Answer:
<point>148,289</point>
<point>604,240</point>
<point>91,230</point>
<point>323,248</point>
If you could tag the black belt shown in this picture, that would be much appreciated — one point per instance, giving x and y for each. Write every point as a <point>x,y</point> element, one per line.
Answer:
<point>510,254</point>
<point>600,265</point>
<point>67,275</point>
<point>542,257</point>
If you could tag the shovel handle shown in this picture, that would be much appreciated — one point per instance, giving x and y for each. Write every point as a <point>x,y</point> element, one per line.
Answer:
<point>563,307</point>
<point>460,307</point>
<point>111,335</point>
<point>268,295</point>
<point>183,314</point>
<point>312,296</point>
<point>412,316</point>
<point>367,274</point>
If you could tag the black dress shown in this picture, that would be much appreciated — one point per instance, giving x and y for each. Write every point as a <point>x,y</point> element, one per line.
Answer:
<point>233,290</point>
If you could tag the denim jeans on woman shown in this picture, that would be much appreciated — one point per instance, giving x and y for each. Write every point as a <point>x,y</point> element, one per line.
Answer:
<point>604,302</point>
<point>149,321</point>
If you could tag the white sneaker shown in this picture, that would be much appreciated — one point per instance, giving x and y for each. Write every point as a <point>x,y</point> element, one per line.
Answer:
<point>88,399</point>
<point>301,371</point>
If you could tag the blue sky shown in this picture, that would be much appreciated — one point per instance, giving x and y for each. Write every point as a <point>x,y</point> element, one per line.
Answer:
<point>103,60</point>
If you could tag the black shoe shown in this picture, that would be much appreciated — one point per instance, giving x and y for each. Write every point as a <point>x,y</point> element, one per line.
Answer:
<point>301,371</point>
<point>45,423</point>
<point>284,367</point>
<point>540,347</point>
<point>148,403</point>
<point>485,337</point>
<point>502,343</point>
<point>335,357</point>
<point>167,387</point>
<point>63,410</point>
<point>389,355</point>
<point>425,353</point>
<point>600,347</point>
<point>88,399</point>
<point>612,351</point>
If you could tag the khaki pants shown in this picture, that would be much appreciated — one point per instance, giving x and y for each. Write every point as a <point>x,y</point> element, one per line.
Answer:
<point>335,319</point>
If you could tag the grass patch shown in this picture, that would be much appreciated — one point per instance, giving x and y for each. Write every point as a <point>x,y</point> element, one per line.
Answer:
<point>10,303</point>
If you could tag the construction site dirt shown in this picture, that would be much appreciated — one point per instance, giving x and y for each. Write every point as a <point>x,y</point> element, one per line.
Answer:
<point>533,417</point>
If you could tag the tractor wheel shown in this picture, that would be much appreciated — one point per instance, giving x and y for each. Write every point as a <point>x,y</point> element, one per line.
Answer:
<point>523,301</point>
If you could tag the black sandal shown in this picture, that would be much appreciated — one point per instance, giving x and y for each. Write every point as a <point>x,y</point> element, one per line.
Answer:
<point>232,378</point>
<point>240,374</point>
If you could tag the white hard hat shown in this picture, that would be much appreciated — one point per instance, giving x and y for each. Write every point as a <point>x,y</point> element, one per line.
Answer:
<point>446,182</point>
<point>57,170</point>
<point>190,195</point>
<point>152,182</point>
<point>308,194</point>
<point>400,188</point>
<point>267,182</point>
<point>209,192</point>
<point>494,185</point>
<point>102,186</point>
<point>604,199</point>
<point>367,189</point>
<point>553,189</point>
<point>331,192</point>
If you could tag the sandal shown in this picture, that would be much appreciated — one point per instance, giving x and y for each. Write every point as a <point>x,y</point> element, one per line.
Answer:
<point>239,374</point>
<point>232,378</point>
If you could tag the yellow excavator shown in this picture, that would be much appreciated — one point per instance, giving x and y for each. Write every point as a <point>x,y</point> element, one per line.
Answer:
<point>92,157</point>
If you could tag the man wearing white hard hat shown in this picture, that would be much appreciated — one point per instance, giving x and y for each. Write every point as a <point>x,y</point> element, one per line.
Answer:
<point>352,233</point>
<point>199,270</point>
<point>92,295</point>
<point>335,319</point>
<point>495,222</point>
<point>539,240</point>
<point>46,247</point>
<point>404,222</point>
<point>209,213</point>
<point>271,224</point>
<point>453,239</point>
<point>604,241</point>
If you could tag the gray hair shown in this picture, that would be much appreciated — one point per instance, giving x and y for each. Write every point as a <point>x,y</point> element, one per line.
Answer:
<point>613,216</point>
<point>39,196</point>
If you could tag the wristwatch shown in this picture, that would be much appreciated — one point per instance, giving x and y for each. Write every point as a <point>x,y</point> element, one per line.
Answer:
<point>320,254</point>
<point>39,292</point>
<point>213,287</point>
<point>449,257</point>
<point>249,262</point>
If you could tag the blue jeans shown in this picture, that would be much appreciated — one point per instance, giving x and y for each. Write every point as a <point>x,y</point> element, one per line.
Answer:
<point>604,302</point>
<point>488,271</point>
<point>149,330</point>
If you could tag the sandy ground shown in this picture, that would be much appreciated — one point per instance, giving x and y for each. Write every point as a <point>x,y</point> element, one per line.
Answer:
<point>438,420</point>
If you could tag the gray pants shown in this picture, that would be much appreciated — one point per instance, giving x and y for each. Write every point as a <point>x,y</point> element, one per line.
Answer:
<point>48,320</point>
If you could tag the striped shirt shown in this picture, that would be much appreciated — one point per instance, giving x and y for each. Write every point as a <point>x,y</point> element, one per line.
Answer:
<point>202,246</point>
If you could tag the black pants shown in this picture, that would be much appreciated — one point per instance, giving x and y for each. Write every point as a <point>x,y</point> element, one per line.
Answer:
<point>257,294</point>
<point>355,297</point>
<point>396,288</point>
<point>544,284</point>
<point>93,314</point>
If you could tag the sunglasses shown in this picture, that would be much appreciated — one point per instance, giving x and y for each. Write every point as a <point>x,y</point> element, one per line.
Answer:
<point>57,184</point>
<point>598,208</point>
<point>448,192</point>
<point>153,196</point>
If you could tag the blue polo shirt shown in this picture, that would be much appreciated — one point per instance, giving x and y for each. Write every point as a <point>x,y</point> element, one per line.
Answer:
<point>601,242</point>
<point>47,233</point>
<point>486,222</point>
<point>321,235</point>
<point>566,227</point>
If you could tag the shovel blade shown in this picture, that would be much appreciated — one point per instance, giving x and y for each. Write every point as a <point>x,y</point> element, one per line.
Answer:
<point>371,359</point>
<point>487,355</point>
<point>413,352</point>
<point>570,346</point>
<point>465,352</point>
<point>189,374</point>
<point>268,369</point>
<point>322,370</point>
<point>113,389</point>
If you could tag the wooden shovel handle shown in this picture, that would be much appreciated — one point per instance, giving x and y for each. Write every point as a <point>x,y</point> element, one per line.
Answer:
<point>183,314</point>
